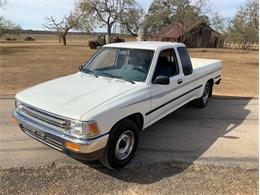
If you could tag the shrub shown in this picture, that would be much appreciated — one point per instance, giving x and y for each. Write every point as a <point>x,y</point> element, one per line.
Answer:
<point>10,39</point>
<point>28,38</point>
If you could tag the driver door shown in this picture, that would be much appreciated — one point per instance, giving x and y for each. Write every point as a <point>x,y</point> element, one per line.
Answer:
<point>165,97</point>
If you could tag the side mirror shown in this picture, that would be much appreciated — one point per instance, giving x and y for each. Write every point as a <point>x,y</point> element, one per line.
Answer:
<point>81,66</point>
<point>162,80</point>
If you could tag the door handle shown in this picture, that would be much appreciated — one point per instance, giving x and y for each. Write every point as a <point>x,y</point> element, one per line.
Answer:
<point>179,81</point>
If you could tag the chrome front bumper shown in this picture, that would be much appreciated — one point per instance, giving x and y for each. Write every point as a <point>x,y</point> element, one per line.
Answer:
<point>57,139</point>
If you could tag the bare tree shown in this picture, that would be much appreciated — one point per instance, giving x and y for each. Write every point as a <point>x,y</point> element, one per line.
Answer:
<point>104,12</point>
<point>219,23</point>
<point>8,27</point>
<point>2,3</point>
<point>132,20</point>
<point>62,27</point>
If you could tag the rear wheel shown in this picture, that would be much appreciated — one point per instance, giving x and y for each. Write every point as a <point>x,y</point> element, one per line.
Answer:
<point>203,100</point>
<point>121,145</point>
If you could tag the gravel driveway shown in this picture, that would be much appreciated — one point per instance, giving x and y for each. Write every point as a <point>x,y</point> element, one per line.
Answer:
<point>163,178</point>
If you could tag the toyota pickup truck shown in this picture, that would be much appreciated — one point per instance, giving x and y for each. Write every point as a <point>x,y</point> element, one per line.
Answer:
<point>121,90</point>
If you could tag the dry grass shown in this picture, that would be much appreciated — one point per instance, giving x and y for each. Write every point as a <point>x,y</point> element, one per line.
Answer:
<point>24,64</point>
<point>240,71</point>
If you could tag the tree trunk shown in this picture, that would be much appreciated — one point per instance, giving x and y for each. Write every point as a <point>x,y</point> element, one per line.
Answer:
<point>109,27</point>
<point>64,35</point>
<point>64,40</point>
<point>229,45</point>
<point>59,38</point>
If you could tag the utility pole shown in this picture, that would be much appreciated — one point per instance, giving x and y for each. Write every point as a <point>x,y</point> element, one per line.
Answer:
<point>120,8</point>
<point>117,27</point>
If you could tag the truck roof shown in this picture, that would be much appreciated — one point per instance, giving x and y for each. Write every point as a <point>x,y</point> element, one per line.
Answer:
<point>153,45</point>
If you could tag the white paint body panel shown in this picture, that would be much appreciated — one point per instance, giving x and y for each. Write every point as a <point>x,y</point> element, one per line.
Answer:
<point>84,97</point>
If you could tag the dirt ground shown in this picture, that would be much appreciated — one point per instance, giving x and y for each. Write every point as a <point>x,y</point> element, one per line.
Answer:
<point>24,64</point>
<point>139,180</point>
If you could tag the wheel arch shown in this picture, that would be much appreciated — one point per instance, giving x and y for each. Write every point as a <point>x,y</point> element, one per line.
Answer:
<point>137,118</point>
<point>211,82</point>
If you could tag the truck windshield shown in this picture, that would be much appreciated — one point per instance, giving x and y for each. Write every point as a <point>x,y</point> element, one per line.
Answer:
<point>123,63</point>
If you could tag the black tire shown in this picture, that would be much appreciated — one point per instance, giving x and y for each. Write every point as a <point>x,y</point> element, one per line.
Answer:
<point>203,100</point>
<point>125,128</point>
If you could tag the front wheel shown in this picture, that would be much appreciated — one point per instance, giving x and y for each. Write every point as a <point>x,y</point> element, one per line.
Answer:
<point>121,145</point>
<point>203,100</point>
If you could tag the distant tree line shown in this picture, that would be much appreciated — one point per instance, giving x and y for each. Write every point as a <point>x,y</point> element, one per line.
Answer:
<point>241,31</point>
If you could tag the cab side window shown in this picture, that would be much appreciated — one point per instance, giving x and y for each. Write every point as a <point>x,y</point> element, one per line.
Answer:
<point>167,64</point>
<point>185,60</point>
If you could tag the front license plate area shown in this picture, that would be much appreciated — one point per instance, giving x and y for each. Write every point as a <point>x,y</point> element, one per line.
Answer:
<point>39,134</point>
<point>45,138</point>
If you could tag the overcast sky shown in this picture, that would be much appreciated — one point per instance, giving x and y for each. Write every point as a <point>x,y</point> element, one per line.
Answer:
<point>30,14</point>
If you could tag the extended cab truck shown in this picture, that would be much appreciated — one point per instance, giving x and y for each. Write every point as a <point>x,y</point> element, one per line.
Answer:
<point>121,90</point>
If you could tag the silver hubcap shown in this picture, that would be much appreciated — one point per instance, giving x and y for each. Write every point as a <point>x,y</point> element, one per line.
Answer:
<point>124,145</point>
<point>205,94</point>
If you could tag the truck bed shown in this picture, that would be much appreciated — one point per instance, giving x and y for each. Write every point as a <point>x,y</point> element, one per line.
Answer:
<point>206,67</point>
<point>199,62</point>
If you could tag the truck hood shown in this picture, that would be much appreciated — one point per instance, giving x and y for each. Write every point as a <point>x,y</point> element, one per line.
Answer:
<point>74,95</point>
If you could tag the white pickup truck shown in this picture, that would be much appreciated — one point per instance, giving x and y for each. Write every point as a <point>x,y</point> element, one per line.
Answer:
<point>122,89</point>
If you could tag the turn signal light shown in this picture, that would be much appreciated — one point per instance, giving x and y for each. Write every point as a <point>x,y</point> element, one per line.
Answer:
<point>93,129</point>
<point>14,119</point>
<point>72,146</point>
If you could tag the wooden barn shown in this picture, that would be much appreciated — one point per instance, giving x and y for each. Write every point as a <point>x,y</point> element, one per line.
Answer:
<point>198,35</point>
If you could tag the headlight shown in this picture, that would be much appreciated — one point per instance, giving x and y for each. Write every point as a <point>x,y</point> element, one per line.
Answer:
<point>84,129</point>
<point>18,105</point>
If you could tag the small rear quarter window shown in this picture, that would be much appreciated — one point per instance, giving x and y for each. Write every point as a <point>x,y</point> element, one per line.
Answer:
<point>185,60</point>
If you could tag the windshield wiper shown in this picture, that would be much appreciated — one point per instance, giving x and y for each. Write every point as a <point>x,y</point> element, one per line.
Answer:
<point>117,77</point>
<point>88,71</point>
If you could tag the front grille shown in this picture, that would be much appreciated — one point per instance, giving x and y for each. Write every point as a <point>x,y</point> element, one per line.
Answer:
<point>45,139</point>
<point>44,118</point>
